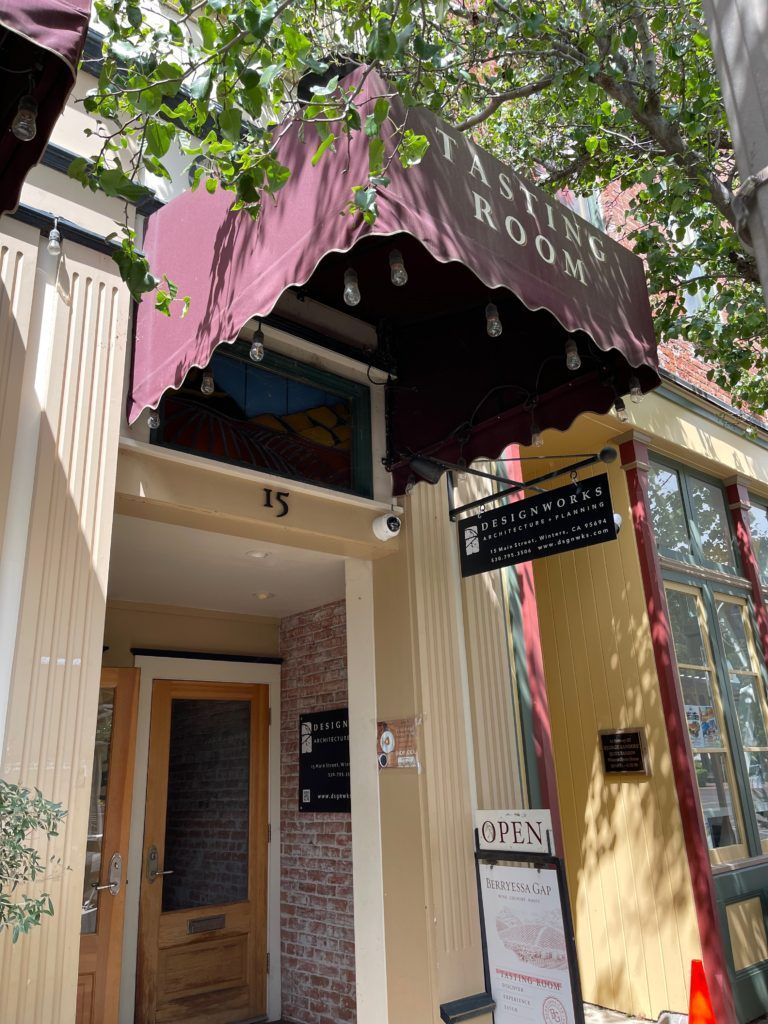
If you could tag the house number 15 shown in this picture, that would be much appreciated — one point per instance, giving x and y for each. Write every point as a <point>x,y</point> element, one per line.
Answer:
<point>280,498</point>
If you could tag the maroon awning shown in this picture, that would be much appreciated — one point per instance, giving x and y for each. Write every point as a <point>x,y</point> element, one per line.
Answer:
<point>471,232</point>
<point>40,46</point>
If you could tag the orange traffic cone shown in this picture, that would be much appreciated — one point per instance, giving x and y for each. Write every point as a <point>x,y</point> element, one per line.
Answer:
<point>700,1009</point>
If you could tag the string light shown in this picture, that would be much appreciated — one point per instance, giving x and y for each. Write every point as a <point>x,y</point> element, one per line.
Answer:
<point>492,321</point>
<point>635,391</point>
<point>153,420</point>
<point>24,124</point>
<point>54,239</point>
<point>572,357</point>
<point>397,272</point>
<point>351,289</point>
<point>620,409</point>
<point>207,384</point>
<point>257,346</point>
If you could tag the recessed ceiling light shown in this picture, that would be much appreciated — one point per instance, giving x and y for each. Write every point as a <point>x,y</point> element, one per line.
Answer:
<point>264,595</point>
<point>257,554</point>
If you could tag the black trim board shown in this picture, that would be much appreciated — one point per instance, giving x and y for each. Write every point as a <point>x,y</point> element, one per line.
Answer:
<point>43,220</point>
<point>59,159</point>
<point>248,659</point>
<point>467,1008</point>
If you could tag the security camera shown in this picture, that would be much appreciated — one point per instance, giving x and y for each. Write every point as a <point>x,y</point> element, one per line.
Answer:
<point>617,521</point>
<point>386,527</point>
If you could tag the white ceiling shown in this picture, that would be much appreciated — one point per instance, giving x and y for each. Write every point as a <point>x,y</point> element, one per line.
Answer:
<point>158,563</point>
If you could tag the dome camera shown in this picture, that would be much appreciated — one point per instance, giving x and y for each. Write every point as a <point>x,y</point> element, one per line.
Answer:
<point>386,527</point>
<point>617,521</point>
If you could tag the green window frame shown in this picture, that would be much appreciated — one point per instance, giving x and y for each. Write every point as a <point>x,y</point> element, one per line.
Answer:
<point>356,394</point>
<point>727,663</point>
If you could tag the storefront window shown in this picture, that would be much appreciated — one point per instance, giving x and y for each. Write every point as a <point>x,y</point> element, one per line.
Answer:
<point>720,674</point>
<point>758,528</point>
<point>278,416</point>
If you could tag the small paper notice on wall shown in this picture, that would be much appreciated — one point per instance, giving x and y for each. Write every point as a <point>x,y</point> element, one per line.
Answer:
<point>397,745</point>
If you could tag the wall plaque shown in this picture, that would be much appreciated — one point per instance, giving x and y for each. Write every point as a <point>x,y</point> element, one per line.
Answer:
<point>624,751</point>
<point>570,517</point>
<point>324,761</point>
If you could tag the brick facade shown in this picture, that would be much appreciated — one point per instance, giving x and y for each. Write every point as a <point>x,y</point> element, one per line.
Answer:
<point>317,929</point>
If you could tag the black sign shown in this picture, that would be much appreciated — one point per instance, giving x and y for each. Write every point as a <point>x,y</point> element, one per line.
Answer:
<point>623,751</point>
<point>324,761</point>
<point>548,524</point>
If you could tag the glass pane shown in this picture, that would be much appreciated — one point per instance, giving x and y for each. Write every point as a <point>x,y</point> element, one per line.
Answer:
<point>206,829</point>
<point>749,711</point>
<point>757,769</point>
<point>262,419</point>
<point>94,849</point>
<point>758,527</point>
<point>667,511</point>
<point>720,820</point>
<point>731,619</point>
<point>703,725</point>
<point>686,632</point>
<point>711,518</point>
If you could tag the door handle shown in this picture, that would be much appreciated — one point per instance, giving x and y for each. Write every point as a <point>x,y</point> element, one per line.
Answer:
<point>115,875</point>
<point>152,867</point>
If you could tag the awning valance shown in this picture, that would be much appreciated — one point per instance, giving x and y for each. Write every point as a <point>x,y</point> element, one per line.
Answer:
<point>471,231</point>
<point>40,46</point>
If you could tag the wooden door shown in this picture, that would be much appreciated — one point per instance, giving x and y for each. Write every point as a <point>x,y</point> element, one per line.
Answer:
<point>101,929</point>
<point>203,924</point>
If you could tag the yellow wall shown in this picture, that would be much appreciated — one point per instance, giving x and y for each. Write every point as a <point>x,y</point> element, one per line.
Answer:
<point>163,627</point>
<point>630,885</point>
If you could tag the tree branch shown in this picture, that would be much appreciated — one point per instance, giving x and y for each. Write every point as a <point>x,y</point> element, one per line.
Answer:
<point>503,97</point>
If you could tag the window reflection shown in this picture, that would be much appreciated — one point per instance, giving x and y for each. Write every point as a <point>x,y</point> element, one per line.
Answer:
<point>711,520</point>
<point>758,527</point>
<point>667,510</point>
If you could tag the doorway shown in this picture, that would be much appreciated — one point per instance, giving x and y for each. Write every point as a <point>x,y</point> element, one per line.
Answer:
<point>203,906</point>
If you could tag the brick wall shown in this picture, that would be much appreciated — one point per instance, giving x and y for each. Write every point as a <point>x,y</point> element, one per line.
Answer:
<point>317,937</point>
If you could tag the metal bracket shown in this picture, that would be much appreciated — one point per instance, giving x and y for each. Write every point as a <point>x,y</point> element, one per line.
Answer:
<point>606,455</point>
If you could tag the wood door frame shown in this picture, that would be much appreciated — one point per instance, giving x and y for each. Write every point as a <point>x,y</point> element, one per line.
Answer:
<point>164,692</point>
<point>111,909</point>
<point>224,673</point>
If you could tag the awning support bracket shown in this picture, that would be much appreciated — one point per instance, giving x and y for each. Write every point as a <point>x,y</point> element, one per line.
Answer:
<point>605,455</point>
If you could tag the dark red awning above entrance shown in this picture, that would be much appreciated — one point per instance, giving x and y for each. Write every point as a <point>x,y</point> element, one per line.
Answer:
<point>40,46</point>
<point>471,231</point>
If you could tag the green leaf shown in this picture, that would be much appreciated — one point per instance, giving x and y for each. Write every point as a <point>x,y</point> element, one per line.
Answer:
<point>327,143</point>
<point>209,31</point>
<point>382,42</point>
<point>115,182</point>
<point>375,155</point>
<point>158,137</point>
<point>381,110</point>
<point>412,148</point>
<point>200,88</point>
<point>230,122</point>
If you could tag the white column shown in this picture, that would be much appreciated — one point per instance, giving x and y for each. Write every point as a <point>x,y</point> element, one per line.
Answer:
<point>367,874</point>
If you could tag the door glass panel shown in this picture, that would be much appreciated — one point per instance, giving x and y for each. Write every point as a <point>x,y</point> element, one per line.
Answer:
<point>686,632</point>
<point>94,850</point>
<point>715,793</point>
<point>667,512</point>
<point>703,725</point>
<point>749,711</point>
<point>758,528</point>
<point>206,830</point>
<point>709,510</point>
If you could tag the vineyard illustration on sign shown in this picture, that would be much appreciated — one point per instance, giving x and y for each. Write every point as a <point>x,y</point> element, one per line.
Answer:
<point>540,942</point>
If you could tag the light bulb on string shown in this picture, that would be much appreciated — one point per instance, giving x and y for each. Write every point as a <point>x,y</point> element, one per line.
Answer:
<point>635,391</point>
<point>24,124</point>
<point>351,288</point>
<point>572,357</point>
<point>153,420</point>
<point>397,272</point>
<point>621,409</point>
<point>54,239</point>
<point>492,321</point>
<point>207,384</point>
<point>257,346</point>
